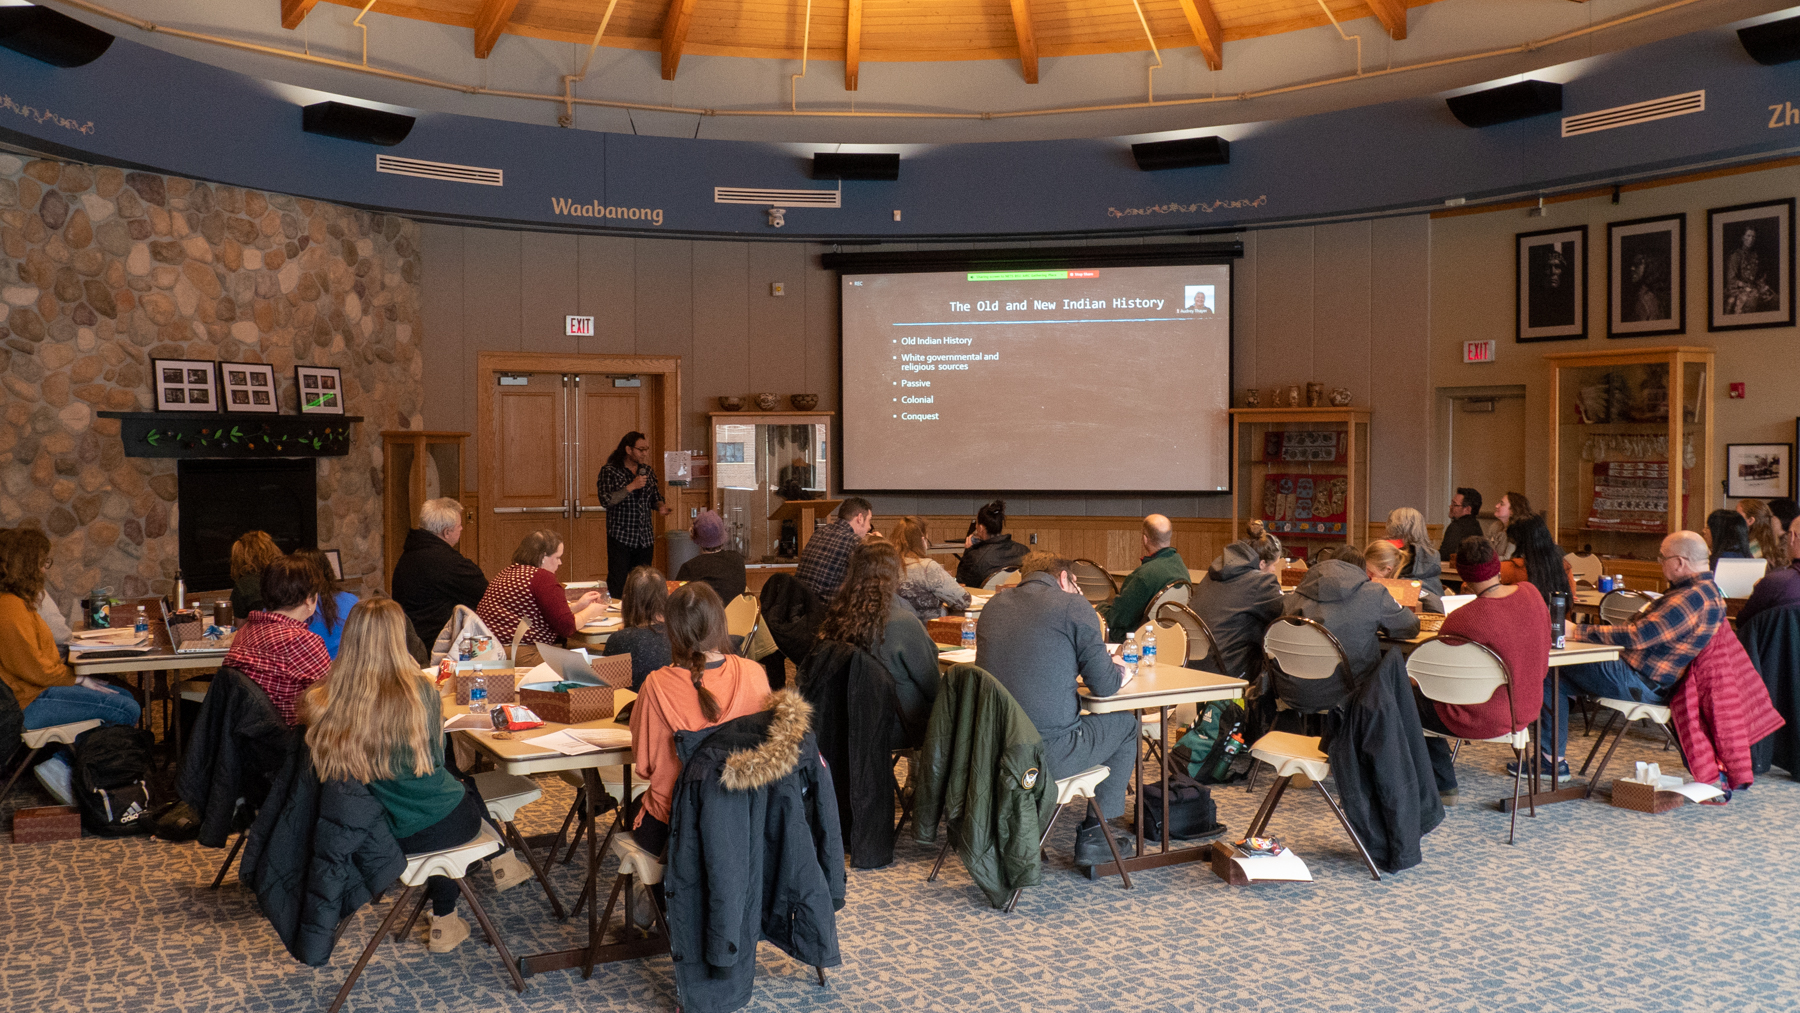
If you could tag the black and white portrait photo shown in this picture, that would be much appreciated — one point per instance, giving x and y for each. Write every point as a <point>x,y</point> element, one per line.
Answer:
<point>1647,276</point>
<point>1552,284</point>
<point>1750,270</point>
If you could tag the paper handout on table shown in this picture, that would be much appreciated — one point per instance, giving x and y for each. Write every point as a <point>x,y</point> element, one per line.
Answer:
<point>472,722</point>
<point>603,738</point>
<point>604,623</point>
<point>1285,867</point>
<point>960,656</point>
<point>566,744</point>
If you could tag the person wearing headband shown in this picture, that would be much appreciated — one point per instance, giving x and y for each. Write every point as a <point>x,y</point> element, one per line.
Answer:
<point>1517,628</point>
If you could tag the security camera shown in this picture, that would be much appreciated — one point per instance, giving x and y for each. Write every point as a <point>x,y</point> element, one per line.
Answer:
<point>777,217</point>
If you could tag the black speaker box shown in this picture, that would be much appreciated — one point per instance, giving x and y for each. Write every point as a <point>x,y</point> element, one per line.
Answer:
<point>1185,153</point>
<point>356,123</point>
<point>51,36</point>
<point>837,165</point>
<point>1506,103</point>
<point>1772,43</point>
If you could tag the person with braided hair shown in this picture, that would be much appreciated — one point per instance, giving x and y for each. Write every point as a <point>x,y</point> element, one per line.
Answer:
<point>703,687</point>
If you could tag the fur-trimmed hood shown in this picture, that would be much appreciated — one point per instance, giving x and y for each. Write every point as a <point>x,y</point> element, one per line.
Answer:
<point>766,748</point>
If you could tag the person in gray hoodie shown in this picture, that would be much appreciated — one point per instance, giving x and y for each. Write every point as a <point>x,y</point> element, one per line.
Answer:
<point>1356,610</point>
<point>1239,598</point>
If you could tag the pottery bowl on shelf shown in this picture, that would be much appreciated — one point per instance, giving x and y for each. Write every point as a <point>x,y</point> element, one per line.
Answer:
<point>767,402</point>
<point>804,402</point>
<point>731,404</point>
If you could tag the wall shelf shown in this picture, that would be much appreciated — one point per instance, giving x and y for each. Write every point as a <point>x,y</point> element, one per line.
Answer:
<point>215,435</point>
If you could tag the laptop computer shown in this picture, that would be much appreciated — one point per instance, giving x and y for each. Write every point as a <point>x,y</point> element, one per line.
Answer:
<point>1737,577</point>
<point>571,666</point>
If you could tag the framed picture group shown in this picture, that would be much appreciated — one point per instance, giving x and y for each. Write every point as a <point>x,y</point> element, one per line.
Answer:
<point>1749,271</point>
<point>195,385</point>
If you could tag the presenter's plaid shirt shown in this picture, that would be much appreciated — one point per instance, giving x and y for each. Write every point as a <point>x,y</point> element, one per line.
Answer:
<point>629,521</point>
<point>826,558</point>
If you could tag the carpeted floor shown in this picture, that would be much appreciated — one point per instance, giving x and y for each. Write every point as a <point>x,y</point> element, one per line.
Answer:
<point>1595,908</point>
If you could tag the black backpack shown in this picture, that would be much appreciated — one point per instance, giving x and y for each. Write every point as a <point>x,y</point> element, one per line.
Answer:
<point>1206,748</point>
<point>112,781</point>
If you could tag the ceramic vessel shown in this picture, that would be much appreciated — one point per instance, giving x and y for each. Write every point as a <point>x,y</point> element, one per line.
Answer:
<point>1293,395</point>
<point>731,404</point>
<point>1315,393</point>
<point>804,402</point>
<point>1340,397</point>
<point>767,402</point>
<point>1253,398</point>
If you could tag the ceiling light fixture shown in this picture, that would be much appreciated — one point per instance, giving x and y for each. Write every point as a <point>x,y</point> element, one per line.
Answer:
<point>1507,103</point>
<point>356,123</point>
<point>1188,152</point>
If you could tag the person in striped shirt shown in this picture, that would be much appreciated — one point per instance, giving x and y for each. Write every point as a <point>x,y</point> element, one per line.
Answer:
<point>273,648</point>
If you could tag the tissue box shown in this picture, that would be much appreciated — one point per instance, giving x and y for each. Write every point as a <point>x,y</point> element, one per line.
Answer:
<point>571,707</point>
<point>946,630</point>
<point>501,684</point>
<point>1644,798</point>
<point>46,823</point>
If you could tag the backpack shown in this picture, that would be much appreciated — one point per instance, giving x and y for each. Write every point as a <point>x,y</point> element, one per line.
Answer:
<point>1206,748</point>
<point>112,781</point>
<point>1192,813</point>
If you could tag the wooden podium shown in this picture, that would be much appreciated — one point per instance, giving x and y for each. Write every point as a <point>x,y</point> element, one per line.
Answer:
<point>804,512</point>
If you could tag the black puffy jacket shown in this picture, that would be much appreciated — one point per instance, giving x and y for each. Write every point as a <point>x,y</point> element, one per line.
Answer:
<point>793,613</point>
<point>238,744</point>
<point>754,853</point>
<point>856,718</point>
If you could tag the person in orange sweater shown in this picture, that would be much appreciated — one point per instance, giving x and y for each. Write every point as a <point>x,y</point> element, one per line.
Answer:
<point>702,688</point>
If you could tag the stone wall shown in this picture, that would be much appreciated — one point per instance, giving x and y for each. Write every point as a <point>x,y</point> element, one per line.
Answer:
<point>102,269</point>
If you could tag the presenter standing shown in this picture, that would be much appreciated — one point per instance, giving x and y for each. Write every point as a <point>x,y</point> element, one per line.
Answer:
<point>630,493</point>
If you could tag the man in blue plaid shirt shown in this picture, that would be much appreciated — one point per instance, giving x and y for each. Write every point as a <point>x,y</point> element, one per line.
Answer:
<point>1658,642</point>
<point>827,552</point>
<point>629,492</point>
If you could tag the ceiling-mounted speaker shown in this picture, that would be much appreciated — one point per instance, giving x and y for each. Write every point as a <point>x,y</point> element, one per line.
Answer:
<point>1183,154</point>
<point>1506,103</point>
<point>51,36</point>
<point>356,123</point>
<point>1772,42</point>
<point>841,165</point>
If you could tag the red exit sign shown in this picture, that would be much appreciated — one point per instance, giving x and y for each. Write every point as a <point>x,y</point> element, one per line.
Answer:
<point>1478,351</point>
<point>579,327</point>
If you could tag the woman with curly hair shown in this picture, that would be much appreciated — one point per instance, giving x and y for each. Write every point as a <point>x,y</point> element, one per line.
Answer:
<point>868,613</point>
<point>251,554</point>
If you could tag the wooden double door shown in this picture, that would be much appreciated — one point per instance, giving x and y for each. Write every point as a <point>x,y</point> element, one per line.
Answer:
<point>545,434</point>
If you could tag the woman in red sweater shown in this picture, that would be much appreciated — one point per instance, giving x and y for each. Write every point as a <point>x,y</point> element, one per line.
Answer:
<point>1514,626</point>
<point>528,591</point>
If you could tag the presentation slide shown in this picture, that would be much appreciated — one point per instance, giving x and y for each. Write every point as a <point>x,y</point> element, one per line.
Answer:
<point>1098,379</point>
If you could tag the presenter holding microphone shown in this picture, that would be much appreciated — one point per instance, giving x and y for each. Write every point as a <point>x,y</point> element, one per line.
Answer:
<point>630,493</point>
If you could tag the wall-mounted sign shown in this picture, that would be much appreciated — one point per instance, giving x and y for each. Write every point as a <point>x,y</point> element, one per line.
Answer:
<point>1478,351</point>
<point>580,327</point>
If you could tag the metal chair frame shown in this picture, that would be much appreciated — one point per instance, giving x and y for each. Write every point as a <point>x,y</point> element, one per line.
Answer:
<point>1085,571</point>
<point>1512,708</point>
<point>1196,629</point>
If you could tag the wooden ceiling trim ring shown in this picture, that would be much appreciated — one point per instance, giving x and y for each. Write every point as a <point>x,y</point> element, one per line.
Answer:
<point>1028,52</point>
<point>1392,14</point>
<point>852,43</point>
<point>674,35</point>
<point>1204,23</point>
<point>295,11</point>
<point>490,21</point>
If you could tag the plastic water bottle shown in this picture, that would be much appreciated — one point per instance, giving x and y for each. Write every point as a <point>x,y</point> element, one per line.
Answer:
<point>1147,650</point>
<point>968,633</point>
<point>1129,655</point>
<point>478,696</point>
<point>143,621</point>
<point>1618,582</point>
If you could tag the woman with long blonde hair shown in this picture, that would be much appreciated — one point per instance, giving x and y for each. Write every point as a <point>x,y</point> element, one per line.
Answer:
<point>377,720</point>
<point>925,585</point>
<point>1406,530</point>
<point>1766,541</point>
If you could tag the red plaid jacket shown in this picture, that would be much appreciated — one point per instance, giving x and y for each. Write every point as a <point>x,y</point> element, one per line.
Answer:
<point>279,654</point>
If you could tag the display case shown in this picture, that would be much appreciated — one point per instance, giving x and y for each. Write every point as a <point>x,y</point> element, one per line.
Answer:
<point>761,461</point>
<point>1631,455</point>
<point>1303,472</point>
<point>418,465</point>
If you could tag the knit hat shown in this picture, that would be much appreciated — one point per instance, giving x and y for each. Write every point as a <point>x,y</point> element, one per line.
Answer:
<point>709,530</point>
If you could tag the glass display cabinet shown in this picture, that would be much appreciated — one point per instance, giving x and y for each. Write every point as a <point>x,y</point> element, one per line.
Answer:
<point>1303,472</point>
<point>1631,455</point>
<point>762,461</point>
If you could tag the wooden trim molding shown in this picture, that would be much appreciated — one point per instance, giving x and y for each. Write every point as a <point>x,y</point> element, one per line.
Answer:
<point>490,21</point>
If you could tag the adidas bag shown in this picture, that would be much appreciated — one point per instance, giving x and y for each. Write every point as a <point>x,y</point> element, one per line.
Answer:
<point>1206,748</point>
<point>112,780</point>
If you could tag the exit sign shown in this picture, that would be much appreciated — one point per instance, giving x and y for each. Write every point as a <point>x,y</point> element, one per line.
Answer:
<point>583,327</point>
<point>1478,351</point>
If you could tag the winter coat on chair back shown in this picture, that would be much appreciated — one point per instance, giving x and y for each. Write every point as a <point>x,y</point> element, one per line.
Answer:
<point>238,744</point>
<point>857,722</point>
<point>754,853</point>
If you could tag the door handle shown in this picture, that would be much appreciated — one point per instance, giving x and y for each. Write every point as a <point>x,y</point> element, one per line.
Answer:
<point>532,510</point>
<point>583,509</point>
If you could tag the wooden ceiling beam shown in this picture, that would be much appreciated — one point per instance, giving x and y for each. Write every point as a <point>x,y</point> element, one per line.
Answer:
<point>1393,16</point>
<point>674,35</point>
<point>852,43</point>
<point>1204,23</point>
<point>490,21</point>
<point>295,11</point>
<point>1028,53</point>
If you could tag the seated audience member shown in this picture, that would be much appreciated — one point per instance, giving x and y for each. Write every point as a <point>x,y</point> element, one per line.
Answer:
<point>927,588</point>
<point>1658,642</point>
<point>1767,538</point>
<point>987,550</point>
<point>645,635</point>
<point>1539,560</point>
<point>1239,598</point>
<point>1730,536</point>
<point>1786,511</point>
<point>528,592</point>
<point>334,602</point>
<point>1157,568</point>
<point>431,577</point>
<point>703,687</point>
<point>1037,639</point>
<point>868,613</point>
<point>1778,589</point>
<point>46,605</point>
<point>1382,560</point>
<point>1406,529</point>
<point>376,720</point>
<point>273,646</point>
<point>1514,623</point>
<point>29,664</point>
<point>1344,553</point>
<point>1339,594</point>
<point>717,565</point>
<point>250,555</point>
<point>1512,508</point>
<point>1465,520</point>
<point>827,552</point>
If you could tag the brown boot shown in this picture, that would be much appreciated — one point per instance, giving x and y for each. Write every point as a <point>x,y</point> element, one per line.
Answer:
<point>447,932</point>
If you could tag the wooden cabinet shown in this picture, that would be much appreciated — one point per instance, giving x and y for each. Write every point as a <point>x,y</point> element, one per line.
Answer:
<point>761,460</point>
<point>1303,472</point>
<point>417,465</point>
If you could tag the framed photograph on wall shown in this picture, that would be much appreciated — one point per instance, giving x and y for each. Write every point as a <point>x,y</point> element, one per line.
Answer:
<point>1750,266</point>
<point>1759,470</point>
<point>184,385</point>
<point>321,390</point>
<point>1552,284</point>
<point>1646,277</point>
<point>249,387</point>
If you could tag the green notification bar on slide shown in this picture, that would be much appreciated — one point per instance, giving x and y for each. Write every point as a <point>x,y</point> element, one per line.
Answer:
<point>1018,275</point>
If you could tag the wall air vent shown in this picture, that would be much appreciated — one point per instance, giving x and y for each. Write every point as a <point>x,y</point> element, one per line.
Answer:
<point>777,198</point>
<point>440,170</point>
<point>1637,112</point>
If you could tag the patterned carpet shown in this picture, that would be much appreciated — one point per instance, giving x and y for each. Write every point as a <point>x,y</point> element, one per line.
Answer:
<point>1595,908</point>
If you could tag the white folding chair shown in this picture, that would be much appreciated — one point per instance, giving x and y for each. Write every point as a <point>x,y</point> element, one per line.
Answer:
<point>1001,578</point>
<point>1175,591</point>
<point>39,739</point>
<point>504,795</point>
<point>1466,673</point>
<point>1619,606</point>
<point>1655,713</point>
<point>1171,649</point>
<point>740,615</point>
<point>1097,586</point>
<point>1586,568</point>
<point>1201,644</point>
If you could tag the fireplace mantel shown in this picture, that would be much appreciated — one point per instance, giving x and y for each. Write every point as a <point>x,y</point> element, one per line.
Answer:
<point>224,435</point>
